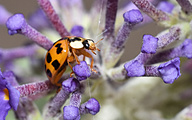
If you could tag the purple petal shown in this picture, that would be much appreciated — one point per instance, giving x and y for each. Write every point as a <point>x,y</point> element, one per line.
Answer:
<point>170,70</point>
<point>133,16</point>
<point>134,68</point>
<point>71,113</point>
<point>82,71</point>
<point>165,6</point>
<point>77,30</point>
<point>149,44</point>
<point>10,77</point>
<point>13,96</point>
<point>1,76</point>
<point>13,93</point>
<point>71,84</point>
<point>5,106</point>
<point>93,106</point>
<point>187,48</point>
<point>3,82</point>
<point>15,23</point>
<point>9,96</point>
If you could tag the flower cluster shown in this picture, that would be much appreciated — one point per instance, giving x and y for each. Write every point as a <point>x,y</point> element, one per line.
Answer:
<point>110,89</point>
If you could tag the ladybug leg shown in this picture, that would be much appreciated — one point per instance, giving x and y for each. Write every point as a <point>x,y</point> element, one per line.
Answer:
<point>74,53</point>
<point>83,57</point>
<point>70,59</point>
<point>85,53</point>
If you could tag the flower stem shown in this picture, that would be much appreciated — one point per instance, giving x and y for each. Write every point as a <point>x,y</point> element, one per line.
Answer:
<point>76,99</point>
<point>55,104</point>
<point>151,10</point>
<point>53,17</point>
<point>18,24</point>
<point>183,50</point>
<point>110,17</point>
<point>152,71</point>
<point>164,40</point>
<point>10,54</point>
<point>35,88</point>
<point>185,5</point>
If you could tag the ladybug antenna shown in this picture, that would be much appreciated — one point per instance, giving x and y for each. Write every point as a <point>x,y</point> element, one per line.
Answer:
<point>102,33</point>
<point>99,41</point>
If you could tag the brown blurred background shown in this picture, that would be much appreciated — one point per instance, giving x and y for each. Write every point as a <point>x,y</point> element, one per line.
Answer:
<point>26,7</point>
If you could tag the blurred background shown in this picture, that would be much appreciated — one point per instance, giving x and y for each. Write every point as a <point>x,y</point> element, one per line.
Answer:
<point>27,7</point>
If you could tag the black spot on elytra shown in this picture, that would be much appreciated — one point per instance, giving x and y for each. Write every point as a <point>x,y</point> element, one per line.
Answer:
<point>49,58</point>
<point>49,73</point>
<point>86,44</point>
<point>58,45</point>
<point>74,39</point>
<point>62,67</point>
<point>55,64</point>
<point>59,48</point>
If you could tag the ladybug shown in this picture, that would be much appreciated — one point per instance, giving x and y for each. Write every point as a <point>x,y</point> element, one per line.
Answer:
<point>65,51</point>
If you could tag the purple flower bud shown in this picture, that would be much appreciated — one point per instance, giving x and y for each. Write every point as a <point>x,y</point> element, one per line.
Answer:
<point>71,84</point>
<point>134,68</point>
<point>4,15</point>
<point>93,106</point>
<point>133,16</point>
<point>170,70</point>
<point>15,23</point>
<point>77,30</point>
<point>186,48</point>
<point>165,6</point>
<point>82,71</point>
<point>149,44</point>
<point>71,113</point>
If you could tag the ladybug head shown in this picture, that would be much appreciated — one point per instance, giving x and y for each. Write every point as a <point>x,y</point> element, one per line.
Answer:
<point>90,45</point>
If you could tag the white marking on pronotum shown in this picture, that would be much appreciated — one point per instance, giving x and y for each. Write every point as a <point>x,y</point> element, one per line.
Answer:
<point>76,44</point>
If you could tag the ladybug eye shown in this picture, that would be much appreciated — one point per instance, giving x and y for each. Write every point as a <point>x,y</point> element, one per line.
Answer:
<point>86,44</point>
